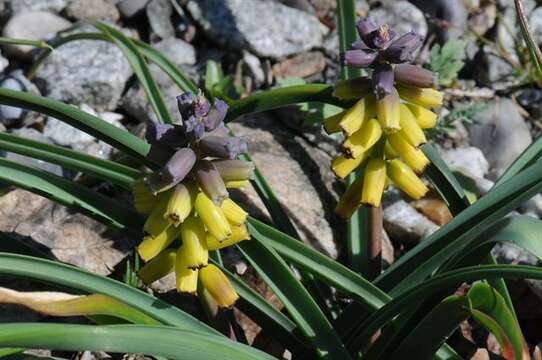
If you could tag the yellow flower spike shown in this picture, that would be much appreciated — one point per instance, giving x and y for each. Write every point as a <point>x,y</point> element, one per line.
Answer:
<point>389,151</point>
<point>236,184</point>
<point>424,117</point>
<point>426,97</point>
<point>212,217</point>
<point>356,115</point>
<point>158,267</point>
<point>351,199</point>
<point>239,233</point>
<point>387,110</point>
<point>363,139</point>
<point>331,124</point>
<point>186,280</point>
<point>179,204</point>
<point>342,166</point>
<point>156,224</point>
<point>218,285</point>
<point>415,158</point>
<point>152,246</point>
<point>144,200</point>
<point>410,130</point>
<point>233,212</point>
<point>405,179</point>
<point>374,181</point>
<point>193,251</point>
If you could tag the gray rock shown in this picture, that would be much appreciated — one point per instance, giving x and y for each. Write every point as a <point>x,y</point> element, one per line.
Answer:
<point>265,28</point>
<point>452,12</point>
<point>469,160</point>
<point>91,72</point>
<point>35,25</point>
<point>332,45</point>
<point>483,185</point>
<point>135,101</point>
<point>405,225</point>
<point>535,22</point>
<point>402,16</point>
<point>310,195</point>
<point>507,253</point>
<point>4,63</point>
<point>491,68</point>
<point>24,6</point>
<point>508,31</point>
<point>71,237</point>
<point>92,10</point>
<point>533,206</point>
<point>13,115</point>
<point>32,134</point>
<point>501,133</point>
<point>159,13</point>
<point>130,8</point>
<point>254,66</point>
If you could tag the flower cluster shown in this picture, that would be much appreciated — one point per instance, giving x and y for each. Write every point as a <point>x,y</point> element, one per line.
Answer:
<point>188,198</point>
<point>384,129</point>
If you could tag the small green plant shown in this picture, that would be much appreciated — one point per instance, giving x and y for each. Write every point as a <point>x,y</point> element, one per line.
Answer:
<point>448,60</point>
<point>463,113</point>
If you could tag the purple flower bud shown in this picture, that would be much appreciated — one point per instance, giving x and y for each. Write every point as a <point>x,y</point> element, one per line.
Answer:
<point>201,106</point>
<point>185,103</point>
<point>383,80</point>
<point>402,50</point>
<point>366,27</point>
<point>159,154</point>
<point>175,170</point>
<point>381,38</point>
<point>210,181</point>
<point>222,147</point>
<point>412,75</point>
<point>359,45</point>
<point>166,135</point>
<point>358,58</point>
<point>220,130</point>
<point>234,170</point>
<point>193,128</point>
<point>216,115</point>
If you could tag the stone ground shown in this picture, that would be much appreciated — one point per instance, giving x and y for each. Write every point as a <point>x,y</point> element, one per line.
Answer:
<point>296,39</point>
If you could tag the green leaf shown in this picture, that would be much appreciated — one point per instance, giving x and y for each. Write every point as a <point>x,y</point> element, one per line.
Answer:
<point>321,266</point>
<point>77,279</point>
<point>272,321</point>
<point>70,305</point>
<point>301,307</point>
<point>532,44</point>
<point>421,261</point>
<point>448,60</point>
<point>430,334</point>
<point>71,194</point>
<point>491,310</point>
<point>526,159</point>
<point>81,120</point>
<point>100,168</point>
<point>346,15</point>
<point>141,69</point>
<point>169,342</point>
<point>441,282</point>
<point>35,43</point>
<point>275,98</point>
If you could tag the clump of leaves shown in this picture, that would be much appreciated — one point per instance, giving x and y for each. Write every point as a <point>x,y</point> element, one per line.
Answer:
<point>462,113</point>
<point>448,60</point>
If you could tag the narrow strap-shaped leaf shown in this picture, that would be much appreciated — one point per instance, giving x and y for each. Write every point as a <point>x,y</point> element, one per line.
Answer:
<point>13,41</point>
<point>79,119</point>
<point>532,44</point>
<point>438,283</point>
<point>297,301</point>
<point>275,98</point>
<point>492,311</point>
<point>59,304</point>
<point>440,246</point>
<point>321,266</point>
<point>169,342</point>
<point>77,279</point>
<point>71,194</point>
<point>141,69</point>
<point>272,321</point>
<point>74,160</point>
<point>425,339</point>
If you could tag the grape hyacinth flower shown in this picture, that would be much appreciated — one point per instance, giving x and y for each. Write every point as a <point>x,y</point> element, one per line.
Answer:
<point>385,128</point>
<point>188,199</point>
